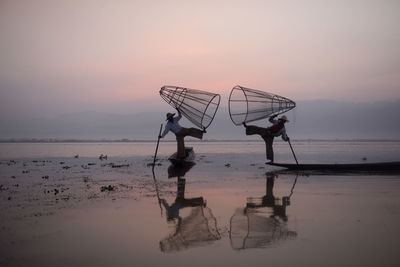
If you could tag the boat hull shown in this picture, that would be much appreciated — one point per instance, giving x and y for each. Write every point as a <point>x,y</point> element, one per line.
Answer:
<point>188,160</point>
<point>360,167</point>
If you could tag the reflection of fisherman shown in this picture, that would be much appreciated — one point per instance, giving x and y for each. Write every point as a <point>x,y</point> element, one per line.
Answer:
<point>180,202</point>
<point>270,201</point>
<point>180,132</point>
<point>172,211</point>
<point>257,227</point>
<point>198,227</point>
<point>268,134</point>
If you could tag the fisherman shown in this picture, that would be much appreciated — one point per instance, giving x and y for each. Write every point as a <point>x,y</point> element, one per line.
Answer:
<point>268,134</point>
<point>180,132</point>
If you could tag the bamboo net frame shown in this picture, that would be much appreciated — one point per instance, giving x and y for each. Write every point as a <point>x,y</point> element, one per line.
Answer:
<point>247,105</point>
<point>197,106</point>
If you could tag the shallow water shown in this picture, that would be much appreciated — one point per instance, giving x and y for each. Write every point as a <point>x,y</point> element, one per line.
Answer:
<point>330,221</point>
<point>224,211</point>
<point>306,151</point>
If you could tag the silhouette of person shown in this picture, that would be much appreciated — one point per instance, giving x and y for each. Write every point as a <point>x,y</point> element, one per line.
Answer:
<point>268,134</point>
<point>180,132</point>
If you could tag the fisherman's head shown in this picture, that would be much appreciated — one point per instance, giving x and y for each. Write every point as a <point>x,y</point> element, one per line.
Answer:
<point>170,116</point>
<point>284,119</point>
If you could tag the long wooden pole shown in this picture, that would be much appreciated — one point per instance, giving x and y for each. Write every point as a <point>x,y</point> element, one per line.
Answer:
<point>158,142</point>
<point>156,187</point>
<point>294,155</point>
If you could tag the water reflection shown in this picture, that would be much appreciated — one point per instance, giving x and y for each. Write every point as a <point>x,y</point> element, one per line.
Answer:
<point>194,223</point>
<point>263,222</point>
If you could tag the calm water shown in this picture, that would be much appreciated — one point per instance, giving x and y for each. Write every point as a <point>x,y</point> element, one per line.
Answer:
<point>328,151</point>
<point>224,211</point>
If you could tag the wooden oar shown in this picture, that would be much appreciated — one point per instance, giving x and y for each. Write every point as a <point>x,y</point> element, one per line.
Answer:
<point>286,200</point>
<point>158,142</point>
<point>157,192</point>
<point>294,155</point>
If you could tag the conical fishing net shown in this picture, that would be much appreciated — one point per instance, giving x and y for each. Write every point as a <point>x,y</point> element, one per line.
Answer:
<point>251,228</point>
<point>197,106</point>
<point>247,105</point>
<point>197,229</point>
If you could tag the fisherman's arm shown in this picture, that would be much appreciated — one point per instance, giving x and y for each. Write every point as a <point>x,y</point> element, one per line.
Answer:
<point>272,119</point>
<point>166,130</point>
<point>179,115</point>
<point>285,137</point>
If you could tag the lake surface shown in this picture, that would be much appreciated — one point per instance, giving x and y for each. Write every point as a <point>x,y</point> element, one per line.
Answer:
<point>306,151</point>
<point>227,210</point>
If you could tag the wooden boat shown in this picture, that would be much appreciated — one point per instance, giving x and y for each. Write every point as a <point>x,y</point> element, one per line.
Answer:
<point>179,170</point>
<point>188,160</point>
<point>354,167</point>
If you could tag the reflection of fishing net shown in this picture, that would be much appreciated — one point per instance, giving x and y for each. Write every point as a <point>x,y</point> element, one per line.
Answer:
<point>251,229</point>
<point>246,105</point>
<point>199,228</point>
<point>197,106</point>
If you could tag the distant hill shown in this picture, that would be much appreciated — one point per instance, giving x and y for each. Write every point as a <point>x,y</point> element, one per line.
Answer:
<point>317,119</point>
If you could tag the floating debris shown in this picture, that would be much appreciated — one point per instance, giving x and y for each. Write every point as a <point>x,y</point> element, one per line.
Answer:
<point>11,162</point>
<point>155,164</point>
<point>107,188</point>
<point>119,165</point>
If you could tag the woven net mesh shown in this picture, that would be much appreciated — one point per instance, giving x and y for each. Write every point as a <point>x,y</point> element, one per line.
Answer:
<point>247,105</point>
<point>197,106</point>
<point>197,229</point>
<point>251,228</point>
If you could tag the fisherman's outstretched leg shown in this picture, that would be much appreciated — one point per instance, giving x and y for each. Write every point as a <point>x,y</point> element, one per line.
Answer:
<point>194,132</point>
<point>251,129</point>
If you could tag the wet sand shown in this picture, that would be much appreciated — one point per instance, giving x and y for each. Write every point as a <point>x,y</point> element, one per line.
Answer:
<point>224,211</point>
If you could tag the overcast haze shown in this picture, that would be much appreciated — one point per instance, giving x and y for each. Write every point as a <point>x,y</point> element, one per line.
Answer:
<point>62,57</point>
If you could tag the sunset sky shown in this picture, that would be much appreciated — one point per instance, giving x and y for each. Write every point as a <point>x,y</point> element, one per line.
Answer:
<point>59,56</point>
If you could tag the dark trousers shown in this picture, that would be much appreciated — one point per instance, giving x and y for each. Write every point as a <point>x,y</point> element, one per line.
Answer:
<point>180,139</point>
<point>266,135</point>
